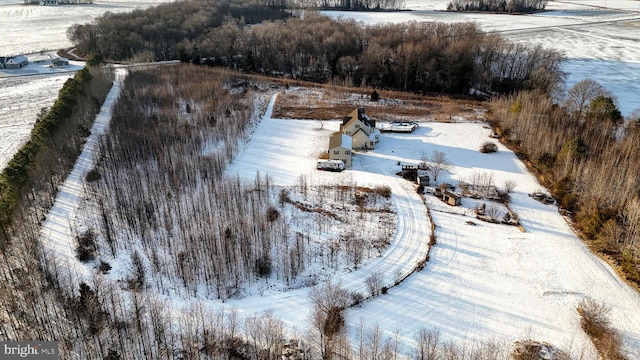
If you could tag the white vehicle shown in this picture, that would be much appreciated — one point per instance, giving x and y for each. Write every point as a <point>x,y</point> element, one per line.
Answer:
<point>330,165</point>
<point>398,127</point>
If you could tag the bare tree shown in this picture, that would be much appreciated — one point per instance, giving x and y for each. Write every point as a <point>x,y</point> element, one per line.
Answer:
<point>581,94</point>
<point>327,318</point>
<point>438,164</point>
<point>427,345</point>
<point>374,283</point>
<point>510,185</point>
<point>493,212</point>
<point>265,332</point>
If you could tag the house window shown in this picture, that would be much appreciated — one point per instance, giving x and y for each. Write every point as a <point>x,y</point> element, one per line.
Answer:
<point>347,152</point>
<point>336,152</point>
<point>357,126</point>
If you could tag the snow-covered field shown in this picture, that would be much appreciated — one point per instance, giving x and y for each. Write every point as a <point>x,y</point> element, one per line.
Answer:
<point>25,92</point>
<point>32,29</point>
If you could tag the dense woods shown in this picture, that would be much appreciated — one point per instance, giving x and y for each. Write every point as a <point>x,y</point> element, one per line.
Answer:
<point>498,6</point>
<point>161,32</point>
<point>416,57</point>
<point>588,156</point>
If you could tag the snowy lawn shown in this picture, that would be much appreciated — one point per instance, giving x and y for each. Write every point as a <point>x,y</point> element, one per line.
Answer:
<point>51,22</point>
<point>32,29</point>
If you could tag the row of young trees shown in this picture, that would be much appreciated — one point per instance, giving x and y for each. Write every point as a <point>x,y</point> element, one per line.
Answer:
<point>172,134</point>
<point>362,5</point>
<point>588,155</point>
<point>499,6</point>
<point>417,57</point>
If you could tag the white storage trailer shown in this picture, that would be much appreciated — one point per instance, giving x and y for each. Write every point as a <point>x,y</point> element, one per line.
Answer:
<point>330,165</point>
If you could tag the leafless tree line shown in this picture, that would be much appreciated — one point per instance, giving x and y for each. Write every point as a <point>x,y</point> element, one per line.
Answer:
<point>588,156</point>
<point>347,4</point>
<point>501,6</point>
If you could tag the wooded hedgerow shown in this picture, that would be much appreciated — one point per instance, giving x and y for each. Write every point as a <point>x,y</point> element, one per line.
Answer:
<point>419,57</point>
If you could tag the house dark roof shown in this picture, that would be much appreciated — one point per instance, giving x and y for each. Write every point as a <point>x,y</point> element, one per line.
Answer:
<point>360,115</point>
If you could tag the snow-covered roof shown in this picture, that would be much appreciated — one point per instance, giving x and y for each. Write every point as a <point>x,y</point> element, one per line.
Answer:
<point>17,59</point>
<point>39,57</point>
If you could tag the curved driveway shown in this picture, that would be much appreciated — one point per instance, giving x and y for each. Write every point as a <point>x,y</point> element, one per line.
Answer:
<point>408,248</point>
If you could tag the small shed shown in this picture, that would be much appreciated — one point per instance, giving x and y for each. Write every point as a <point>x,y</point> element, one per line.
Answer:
<point>451,198</point>
<point>422,177</point>
<point>60,62</point>
<point>448,196</point>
